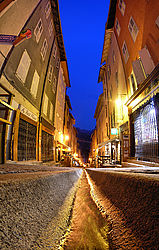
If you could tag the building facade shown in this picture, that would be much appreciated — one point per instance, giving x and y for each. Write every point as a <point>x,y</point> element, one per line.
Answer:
<point>30,73</point>
<point>137,41</point>
<point>129,73</point>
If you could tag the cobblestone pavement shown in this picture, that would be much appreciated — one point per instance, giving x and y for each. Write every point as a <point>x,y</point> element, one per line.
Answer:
<point>48,207</point>
<point>33,200</point>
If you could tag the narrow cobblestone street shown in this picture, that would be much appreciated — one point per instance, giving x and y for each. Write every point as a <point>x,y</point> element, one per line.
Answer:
<point>49,207</point>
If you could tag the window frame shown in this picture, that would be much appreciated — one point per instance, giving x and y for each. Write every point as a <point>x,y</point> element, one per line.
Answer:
<point>22,67</point>
<point>50,74</point>
<point>117,26</point>
<point>126,53</point>
<point>122,6</point>
<point>47,9</point>
<point>133,28</point>
<point>34,86</point>
<point>38,31</point>
<point>44,49</point>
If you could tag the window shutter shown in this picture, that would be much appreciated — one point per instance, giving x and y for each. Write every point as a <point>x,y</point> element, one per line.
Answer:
<point>137,69</point>
<point>147,61</point>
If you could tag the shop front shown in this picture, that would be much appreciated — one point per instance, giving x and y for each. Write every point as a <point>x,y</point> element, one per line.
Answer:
<point>143,109</point>
<point>26,140</point>
<point>146,130</point>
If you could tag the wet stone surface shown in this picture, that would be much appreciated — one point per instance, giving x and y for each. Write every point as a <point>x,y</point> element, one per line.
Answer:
<point>89,228</point>
<point>30,207</point>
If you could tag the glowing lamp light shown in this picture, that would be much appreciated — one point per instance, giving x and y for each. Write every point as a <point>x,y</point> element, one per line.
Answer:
<point>61,137</point>
<point>118,102</point>
<point>66,137</point>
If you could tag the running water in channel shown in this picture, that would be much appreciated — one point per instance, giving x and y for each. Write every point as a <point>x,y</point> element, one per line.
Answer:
<point>89,228</point>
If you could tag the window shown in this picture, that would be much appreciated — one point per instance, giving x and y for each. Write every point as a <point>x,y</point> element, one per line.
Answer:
<point>68,125</point>
<point>45,104</point>
<point>117,26</point>
<point>51,111</point>
<point>116,79</point>
<point>114,115</point>
<point>58,63</point>
<point>47,10</point>
<point>54,85</point>
<point>133,82</point>
<point>44,49</point>
<point>125,52</point>
<point>35,84</point>
<point>23,66</point>
<point>157,21</point>
<point>113,56</point>
<point>50,73</point>
<point>133,29</point>
<point>38,30</point>
<point>110,93</point>
<point>121,6</point>
<point>109,71</point>
<point>50,27</point>
<point>54,50</point>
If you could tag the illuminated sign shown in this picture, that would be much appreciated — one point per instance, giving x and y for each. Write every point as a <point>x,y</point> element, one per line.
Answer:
<point>114,131</point>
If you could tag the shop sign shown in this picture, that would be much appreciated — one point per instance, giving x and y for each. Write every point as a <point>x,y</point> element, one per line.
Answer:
<point>114,131</point>
<point>28,113</point>
<point>7,39</point>
<point>15,40</point>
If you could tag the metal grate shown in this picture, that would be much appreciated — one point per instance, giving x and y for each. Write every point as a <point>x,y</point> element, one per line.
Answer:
<point>26,141</point>
<point>47,146</point>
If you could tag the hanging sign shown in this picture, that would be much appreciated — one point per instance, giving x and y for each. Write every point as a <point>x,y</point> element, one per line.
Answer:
<point>7,39</point>
<point>15,40</point>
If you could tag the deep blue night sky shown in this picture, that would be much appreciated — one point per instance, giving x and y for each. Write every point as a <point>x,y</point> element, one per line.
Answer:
<point>83,26</point>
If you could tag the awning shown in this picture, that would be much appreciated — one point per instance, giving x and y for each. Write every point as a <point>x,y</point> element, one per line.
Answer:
<point>101,145</point>
<point>62,144</point>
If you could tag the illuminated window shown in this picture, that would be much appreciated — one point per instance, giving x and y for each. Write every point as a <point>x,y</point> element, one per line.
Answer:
<point>45,104</point>
<point>133,29</point>
<point>47,10</point>
<point>121,6</point>
<point>50,73</point>
<point>125,52</point>
<point>44,49</point>
<point>50,27</point>
<point>35,84</point>
<point>117,26</point>
<point>23,66</point>
<point>38,30</point>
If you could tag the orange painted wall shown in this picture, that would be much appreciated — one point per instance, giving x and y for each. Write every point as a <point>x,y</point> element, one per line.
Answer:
<point>136,9</point>
<point>151,30</point>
